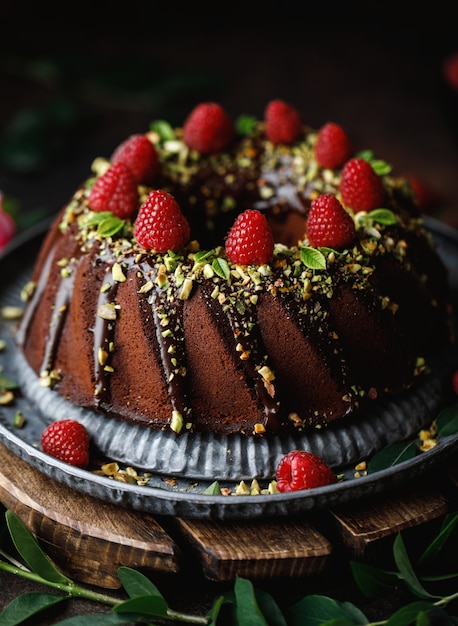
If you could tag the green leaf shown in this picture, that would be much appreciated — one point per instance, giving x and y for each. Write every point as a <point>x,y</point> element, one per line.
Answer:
<point>31,552</point>
<point>136,584</point>
<point>97,217</point>
<point>214,612</point>
<point>110,619</point>
<point>270,608</point>
<point>313,258</point>
<point>151,605</point>
<point>372,581</point>
<point>405,569</point>
<point>447,421</point>
<point>25,606</point>
<point>383,216</point>
<point>221,268</point>
<point>380,167</point>
<point>317,609</point>
<point>164,129</point>
<point>245,124</point>
<point>213,489</point>
<point>247,608</point>
<point>110,226</point>
<point>433,550</point>
<point>367,155</point>
<point>392,455</point>
<point>408,614</point>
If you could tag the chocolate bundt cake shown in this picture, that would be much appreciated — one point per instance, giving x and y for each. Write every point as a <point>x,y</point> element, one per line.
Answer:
<point>235,277</point>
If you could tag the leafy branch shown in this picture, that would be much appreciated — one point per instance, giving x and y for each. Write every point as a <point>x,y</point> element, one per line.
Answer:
<point>245,605</point>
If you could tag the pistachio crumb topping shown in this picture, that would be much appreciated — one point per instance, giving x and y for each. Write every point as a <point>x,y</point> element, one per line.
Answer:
<point>177,421</point>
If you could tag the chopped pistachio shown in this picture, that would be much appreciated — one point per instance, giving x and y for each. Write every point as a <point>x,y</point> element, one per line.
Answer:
<point>118,274</point>
<point>176,423</point>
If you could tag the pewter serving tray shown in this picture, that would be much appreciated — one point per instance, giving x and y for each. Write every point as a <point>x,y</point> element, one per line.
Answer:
<point>183,467</point>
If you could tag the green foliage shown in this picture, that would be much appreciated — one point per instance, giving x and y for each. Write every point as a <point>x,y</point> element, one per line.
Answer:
<point>313,258</point>
<point>245,605</point>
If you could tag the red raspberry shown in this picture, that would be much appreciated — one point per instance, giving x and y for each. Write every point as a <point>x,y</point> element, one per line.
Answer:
<point>160,224</point>
<point>7,226</point>
<point>115,191</point>
<point>333,147</point>
<point>360,187</point>
<point>455,382</point>
<point>250,240</point>
<point>329,224</point>
<point>303,470</point>
<point>450,70</point>
<point>140,156</point>
<point>67,440</point>
<point>427,198</point>
<point>208,129</point>
<point>283,122</point>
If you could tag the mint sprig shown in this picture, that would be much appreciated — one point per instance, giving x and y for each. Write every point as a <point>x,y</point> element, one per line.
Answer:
<point>246,603</point>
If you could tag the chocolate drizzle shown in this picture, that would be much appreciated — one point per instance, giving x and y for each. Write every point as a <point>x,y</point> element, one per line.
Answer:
<point>104,329</point>
<point>249,351</point>
<point>168,321</point>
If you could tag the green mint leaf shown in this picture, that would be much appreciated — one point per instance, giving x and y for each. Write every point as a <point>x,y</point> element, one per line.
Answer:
<point>221,268</point>
<point>163,129</point>
<point>383,216</point>
<point>408,614</point>
<point>392,455</point>
<point>380,167</point>
<point>213,489</point>
<point>447,422</point>
<point>270,608</point>
<point>153,606</point>
<point>136,584</point>
<point>404,565</point>
<point>449,524</point>
<point>245,124</point>
<point>30,550</point>
<point>203,256</point>
<point>96,217</point>
<point>109,619</point>
<point>372,581</point>
<point>313,258</point>
<point>110,226</point>
<point>26,606</point>
<point>317,609</point>
<point>247,608</point>
<point>367,155</point>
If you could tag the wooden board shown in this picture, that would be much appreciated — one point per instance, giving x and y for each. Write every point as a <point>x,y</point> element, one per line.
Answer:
<point>89,539</point>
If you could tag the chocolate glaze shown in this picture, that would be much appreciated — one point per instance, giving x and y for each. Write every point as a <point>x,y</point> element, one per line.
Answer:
<point>283,338</point>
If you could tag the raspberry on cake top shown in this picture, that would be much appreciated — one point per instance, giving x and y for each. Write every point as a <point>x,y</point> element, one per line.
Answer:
<point>248,276</point>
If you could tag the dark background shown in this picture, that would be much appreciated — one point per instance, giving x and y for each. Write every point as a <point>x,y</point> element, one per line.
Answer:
<point>74,85</point>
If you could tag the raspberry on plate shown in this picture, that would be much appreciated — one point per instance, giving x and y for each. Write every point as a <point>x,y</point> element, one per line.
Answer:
<point>329,224</point>
<point>115,191</point>
<point>303,470</point>
<point>140,156</point>
<point>250,240</point>
<point>208,128</point>
<point>8,228</point>
<point>160,225</point>
<point>68,441</point>
<point>361,188</point>
<point>333,147</point>
<point>283,122</point>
